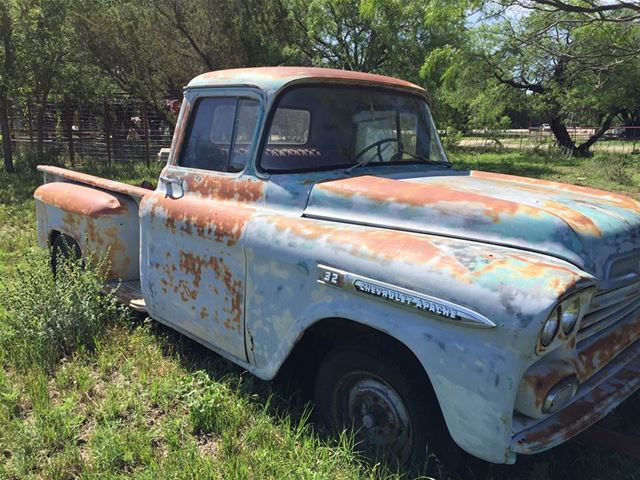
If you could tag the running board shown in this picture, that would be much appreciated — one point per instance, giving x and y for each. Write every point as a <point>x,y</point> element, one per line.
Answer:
<point>129,293</point>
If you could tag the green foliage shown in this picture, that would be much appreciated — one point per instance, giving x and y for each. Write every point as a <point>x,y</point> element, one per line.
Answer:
<point>153,48</point>
<point>213,406</point>
<point>47,318</point>
<point>388,37</point>
<point>572,67</point>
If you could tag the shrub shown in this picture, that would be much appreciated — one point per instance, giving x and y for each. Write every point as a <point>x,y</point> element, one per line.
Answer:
<point>451,140</point>
<point>44,319</point>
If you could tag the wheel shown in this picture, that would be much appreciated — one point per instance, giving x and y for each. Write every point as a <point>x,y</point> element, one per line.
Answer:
<point>370,386</point>
<point>64,247</point>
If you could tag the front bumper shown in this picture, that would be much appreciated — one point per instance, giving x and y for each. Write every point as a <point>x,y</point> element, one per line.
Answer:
<point>596,398</point>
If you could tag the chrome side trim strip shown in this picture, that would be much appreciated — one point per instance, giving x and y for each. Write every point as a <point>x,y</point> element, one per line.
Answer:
<point>403,297</point>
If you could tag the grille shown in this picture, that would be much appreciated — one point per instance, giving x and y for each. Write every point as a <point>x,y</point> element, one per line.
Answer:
<point>608,307</point>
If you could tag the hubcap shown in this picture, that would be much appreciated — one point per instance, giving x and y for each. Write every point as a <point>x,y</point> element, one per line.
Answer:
<point>380,418</point>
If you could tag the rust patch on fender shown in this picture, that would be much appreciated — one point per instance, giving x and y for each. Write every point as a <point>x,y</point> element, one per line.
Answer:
<point>418,250</point>
<point>94,181</point>
<point>79,199</point>
<point>192,264</point>
<point>385,244</point>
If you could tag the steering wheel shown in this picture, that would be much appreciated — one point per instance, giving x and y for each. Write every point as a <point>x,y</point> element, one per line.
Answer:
<point>378,144</point>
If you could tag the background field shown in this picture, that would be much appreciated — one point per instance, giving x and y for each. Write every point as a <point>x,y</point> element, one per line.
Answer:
<point>135,399</point>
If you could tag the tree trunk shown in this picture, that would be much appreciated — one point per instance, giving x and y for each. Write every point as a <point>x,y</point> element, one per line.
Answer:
<point>583,149</point>
<point>563,139</point>
<point>40,125</point>
<point>6,133</point>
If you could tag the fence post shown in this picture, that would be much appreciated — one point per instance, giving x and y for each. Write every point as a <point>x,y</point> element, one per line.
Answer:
<point>107,130</point>
<point>145,125</point>
<point>80,141</point>
<point>30,116</point>
<point>68,115</point>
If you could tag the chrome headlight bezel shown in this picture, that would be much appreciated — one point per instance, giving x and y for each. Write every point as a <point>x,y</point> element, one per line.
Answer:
<point>550,328</point>
<point>570,311</point>
<point>565,326</point>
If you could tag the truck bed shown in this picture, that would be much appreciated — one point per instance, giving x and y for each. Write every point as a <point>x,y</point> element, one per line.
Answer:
<point>100,215</point>
<point>57,174</point>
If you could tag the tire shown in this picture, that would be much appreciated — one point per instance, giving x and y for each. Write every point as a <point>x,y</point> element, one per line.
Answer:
<point>64,247</point>
<point>372,387</point>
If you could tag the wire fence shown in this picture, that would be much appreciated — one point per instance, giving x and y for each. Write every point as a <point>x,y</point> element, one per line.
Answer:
<point>115,129</point>
<point>121,128</point>
<point>622,140</point>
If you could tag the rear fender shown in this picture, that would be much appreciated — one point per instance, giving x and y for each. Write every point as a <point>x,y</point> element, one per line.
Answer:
<point>104,223</point>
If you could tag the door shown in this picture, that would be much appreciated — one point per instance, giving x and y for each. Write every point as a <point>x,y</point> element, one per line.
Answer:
<point>192,227</point>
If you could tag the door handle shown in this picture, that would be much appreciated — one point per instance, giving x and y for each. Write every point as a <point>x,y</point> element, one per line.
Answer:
<point>170,182</point>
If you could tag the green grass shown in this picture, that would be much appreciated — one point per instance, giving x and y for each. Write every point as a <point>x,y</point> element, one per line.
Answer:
<point>133,399</point>
<point>620,173</point>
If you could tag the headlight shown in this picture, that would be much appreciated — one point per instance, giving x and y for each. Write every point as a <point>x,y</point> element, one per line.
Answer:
<point>569,314</point>
<point>560,395</point>
<point>550,328</point>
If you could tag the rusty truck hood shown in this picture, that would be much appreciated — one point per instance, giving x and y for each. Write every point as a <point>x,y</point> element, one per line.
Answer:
<point>589,228</point>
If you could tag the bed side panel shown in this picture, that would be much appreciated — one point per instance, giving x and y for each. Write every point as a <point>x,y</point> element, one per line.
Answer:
<point>102,222</point>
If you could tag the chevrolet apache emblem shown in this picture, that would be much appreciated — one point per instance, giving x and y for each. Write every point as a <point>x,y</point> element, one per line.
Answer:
<point>402,296</point>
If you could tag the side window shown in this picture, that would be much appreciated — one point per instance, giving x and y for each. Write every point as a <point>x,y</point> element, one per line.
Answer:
<point>220,135</point>
<point>246,122</point>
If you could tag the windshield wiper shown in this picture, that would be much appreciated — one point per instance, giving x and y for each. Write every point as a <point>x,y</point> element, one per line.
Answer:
<point>428,160</point>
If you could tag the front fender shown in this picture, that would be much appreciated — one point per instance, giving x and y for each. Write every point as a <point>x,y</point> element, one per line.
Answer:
<point>475,372</point>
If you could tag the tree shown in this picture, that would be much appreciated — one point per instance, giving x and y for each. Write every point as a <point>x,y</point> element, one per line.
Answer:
<point>7,76</point>
<point>391,37</point>
<point>44,34</point>
<point>124,41</point>
<point>567,63</point>
<point>152,48</point>
<point>615,11</point>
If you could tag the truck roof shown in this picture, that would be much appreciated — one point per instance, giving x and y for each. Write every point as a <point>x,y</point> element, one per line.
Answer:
<point>274,78</point>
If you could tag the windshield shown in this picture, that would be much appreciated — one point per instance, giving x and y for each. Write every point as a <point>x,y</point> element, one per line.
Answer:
<point>328,127</point>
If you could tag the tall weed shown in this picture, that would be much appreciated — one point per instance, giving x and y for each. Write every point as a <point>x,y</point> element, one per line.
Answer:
<point>45,318</point>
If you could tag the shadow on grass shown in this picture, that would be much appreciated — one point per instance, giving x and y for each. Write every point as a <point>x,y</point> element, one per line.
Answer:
<point>18,187</point>
<point>287,396</point>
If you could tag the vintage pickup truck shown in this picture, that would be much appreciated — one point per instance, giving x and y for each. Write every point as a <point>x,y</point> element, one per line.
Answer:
<point>312,212</point>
